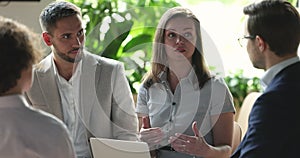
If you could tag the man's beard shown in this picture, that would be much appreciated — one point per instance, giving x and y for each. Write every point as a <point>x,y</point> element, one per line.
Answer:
<point>71,60</point>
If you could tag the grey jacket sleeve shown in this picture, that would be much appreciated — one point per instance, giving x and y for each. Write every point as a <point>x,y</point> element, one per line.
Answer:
<point>123,115</point>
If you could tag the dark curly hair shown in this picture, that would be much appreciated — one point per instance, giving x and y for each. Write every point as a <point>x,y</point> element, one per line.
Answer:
<point>19,49</point>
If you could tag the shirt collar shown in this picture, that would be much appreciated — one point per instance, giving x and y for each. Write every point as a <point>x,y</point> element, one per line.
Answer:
<point>191,78</point>
<point>275,69</point>
<point>75,73</point>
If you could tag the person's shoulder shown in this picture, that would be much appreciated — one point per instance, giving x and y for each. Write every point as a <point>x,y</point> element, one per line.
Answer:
<point>44,64</point>
<point>292,69</point>
<point>217,81</point>
<point>47,120</point>
<point>57,132</point>
<point>287,79</point>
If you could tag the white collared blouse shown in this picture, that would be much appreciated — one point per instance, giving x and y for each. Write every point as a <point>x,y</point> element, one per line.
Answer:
<point>175,113</point>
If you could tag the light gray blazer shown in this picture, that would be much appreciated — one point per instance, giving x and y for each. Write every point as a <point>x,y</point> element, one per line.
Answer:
<point>106,103</point>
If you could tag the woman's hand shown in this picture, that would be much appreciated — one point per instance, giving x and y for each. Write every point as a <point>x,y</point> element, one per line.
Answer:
<point>152,136</point>
<point>192,145</point>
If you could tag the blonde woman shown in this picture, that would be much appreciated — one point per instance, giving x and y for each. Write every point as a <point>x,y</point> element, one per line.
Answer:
<point>183,110</point>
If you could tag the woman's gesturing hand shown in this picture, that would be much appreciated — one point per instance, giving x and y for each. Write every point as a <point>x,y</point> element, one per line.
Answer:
<point>152,136</point>
<point>193,145</point>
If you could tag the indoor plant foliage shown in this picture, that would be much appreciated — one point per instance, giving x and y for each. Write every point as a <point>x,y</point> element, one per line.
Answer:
<point>240,86</point>
<point>123,30</point>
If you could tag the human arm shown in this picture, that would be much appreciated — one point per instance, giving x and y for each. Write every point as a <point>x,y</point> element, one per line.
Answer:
<point>269,134</point>
<point>151,135</point>
<point>123,115</point>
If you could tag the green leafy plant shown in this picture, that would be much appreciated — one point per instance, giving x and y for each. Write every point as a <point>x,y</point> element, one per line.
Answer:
<point>294,2</point>
<point>123,30</point>
<point>240,86</point>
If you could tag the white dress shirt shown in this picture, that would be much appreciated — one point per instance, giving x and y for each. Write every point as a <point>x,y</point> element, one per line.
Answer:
<point>69,93</point>
<point>105,103</point>
<point>26,132</point>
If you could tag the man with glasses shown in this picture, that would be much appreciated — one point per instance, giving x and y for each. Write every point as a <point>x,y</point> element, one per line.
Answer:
<point>272,35</point>
<point>244,40</point>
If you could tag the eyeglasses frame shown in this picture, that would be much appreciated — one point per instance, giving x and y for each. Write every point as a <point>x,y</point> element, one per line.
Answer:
<point>245,37</point>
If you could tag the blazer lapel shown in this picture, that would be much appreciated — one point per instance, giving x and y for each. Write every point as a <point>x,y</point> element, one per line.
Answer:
<point>49,88</point>
<point>88,97</point>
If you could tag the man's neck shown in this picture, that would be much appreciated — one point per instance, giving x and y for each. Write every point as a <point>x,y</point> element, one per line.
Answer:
<point>65,69</point>
<point>274,59</point>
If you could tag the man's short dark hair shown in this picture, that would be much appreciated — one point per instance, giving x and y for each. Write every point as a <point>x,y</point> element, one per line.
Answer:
<point>277,22</point>
<point>56,11</point>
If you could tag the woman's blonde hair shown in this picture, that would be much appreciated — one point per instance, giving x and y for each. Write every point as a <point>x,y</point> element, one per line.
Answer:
<point>159,55</point>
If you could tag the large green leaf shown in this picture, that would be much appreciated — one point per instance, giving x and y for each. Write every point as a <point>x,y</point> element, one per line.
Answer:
<point>141,18</point>
<point>118,32</point>
<point>137,42</point>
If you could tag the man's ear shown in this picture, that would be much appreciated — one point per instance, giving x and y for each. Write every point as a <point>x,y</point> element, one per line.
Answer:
<point>260,43</point>
<point>47,38</point>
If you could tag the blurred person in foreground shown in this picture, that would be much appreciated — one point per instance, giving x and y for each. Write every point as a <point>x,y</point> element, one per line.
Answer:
<point>24,131</point>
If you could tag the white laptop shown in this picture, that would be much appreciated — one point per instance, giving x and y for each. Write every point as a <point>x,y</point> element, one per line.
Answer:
<point>112,148</point>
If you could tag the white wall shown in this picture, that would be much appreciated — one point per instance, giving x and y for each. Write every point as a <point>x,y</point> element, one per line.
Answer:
<point>25,12</point>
